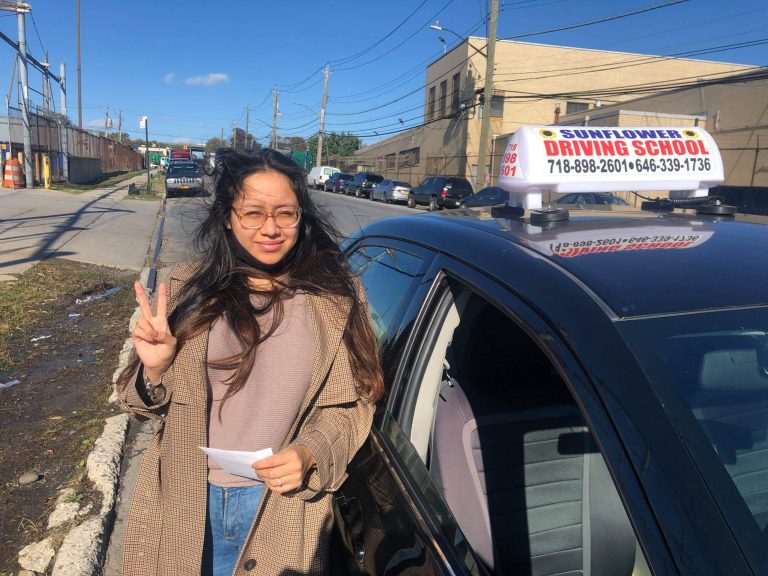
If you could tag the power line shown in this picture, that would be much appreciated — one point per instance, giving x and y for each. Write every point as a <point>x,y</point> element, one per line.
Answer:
<point>348,59</point>
<point>598,20</point>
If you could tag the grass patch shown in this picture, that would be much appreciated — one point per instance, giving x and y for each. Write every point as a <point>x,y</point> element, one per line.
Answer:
<point>25,302</point>
<point>107,180</point>
<point>158,188</point>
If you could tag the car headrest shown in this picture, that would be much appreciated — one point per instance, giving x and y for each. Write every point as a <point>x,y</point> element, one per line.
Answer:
<point>733,370</point>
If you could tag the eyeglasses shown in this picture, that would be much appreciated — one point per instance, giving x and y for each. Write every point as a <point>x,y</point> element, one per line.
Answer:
<point>255,219</point>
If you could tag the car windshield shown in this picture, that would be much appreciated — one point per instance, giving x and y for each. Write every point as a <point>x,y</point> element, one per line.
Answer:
<point>344,177</point>
<point>374,178</point>
<point>182,169</point>
<point>710,372</point>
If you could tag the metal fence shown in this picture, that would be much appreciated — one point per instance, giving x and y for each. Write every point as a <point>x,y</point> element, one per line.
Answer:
<point>51,137</point>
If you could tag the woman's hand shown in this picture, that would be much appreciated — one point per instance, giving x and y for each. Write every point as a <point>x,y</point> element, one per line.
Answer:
<point>152,338</point>
<point>285,471</point>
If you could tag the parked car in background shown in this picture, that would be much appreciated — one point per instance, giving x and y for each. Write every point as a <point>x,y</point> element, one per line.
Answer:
<point>183,178</point>
<point>491,196</point>
<point>590,198</point>
<point>319,174</point>
<point>438,192</point>
<point>584,397</point>
<point>391,191</point>
<point>337,182</point>
<point>362,184</point>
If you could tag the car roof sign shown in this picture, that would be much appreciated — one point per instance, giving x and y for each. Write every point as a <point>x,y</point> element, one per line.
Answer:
<point>684,160</point>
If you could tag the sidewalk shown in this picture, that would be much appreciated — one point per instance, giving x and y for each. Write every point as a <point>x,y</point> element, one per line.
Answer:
<point>103,226</point>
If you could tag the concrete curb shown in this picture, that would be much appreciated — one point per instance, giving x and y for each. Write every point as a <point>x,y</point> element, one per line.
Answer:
<point>83,551</point>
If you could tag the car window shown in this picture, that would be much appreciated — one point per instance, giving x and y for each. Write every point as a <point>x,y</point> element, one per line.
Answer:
<point>359,178</point>
<point>711,372</point>
<point>328,171</point>
<point>398,183</point>
<point>506,446</point>
<point>387,275</point>
<point>374,178</point>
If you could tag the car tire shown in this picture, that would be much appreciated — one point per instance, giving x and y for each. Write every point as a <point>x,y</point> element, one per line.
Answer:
<point>357,192</point>
<point>432,204</point>
<point>411,201</point>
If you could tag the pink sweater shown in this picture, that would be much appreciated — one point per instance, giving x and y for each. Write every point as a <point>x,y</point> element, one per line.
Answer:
<point>261,413</point>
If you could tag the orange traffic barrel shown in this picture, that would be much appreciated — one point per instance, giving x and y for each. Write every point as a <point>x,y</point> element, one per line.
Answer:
<point>12,176</point>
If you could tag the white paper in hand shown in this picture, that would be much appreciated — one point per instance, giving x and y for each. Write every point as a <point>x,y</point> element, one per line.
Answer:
<point>237,462</point>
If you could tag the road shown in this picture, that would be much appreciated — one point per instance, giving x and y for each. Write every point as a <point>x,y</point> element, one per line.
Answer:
<point>182,217</point>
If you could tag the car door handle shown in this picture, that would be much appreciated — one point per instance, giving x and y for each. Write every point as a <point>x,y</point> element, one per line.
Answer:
<point>350,521</point>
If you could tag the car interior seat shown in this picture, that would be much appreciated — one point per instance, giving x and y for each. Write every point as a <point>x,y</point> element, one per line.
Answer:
<point>517,466</point>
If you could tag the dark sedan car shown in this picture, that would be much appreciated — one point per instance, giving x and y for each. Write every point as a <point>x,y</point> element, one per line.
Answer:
<point>337,182</point>
<point>587,396</point>
<point>491,196</point>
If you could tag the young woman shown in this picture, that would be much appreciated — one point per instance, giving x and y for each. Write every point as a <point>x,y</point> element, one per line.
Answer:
<point>264,341</point>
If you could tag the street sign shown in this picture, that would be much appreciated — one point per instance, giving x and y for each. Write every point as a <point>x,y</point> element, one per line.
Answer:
<point>142,121</point>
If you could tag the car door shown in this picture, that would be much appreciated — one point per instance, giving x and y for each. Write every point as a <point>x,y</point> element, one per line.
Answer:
<point>422,191</point>
<point>384,527</point>
<point>466,460</point>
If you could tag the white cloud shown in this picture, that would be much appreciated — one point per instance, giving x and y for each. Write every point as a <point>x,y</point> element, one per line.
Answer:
<point>169,78</point>
<point>98,123</point>
<point>208,79</point>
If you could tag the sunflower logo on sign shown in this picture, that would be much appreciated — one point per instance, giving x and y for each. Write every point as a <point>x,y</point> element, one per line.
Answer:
<point>547,133</point>
<point>690,134</point>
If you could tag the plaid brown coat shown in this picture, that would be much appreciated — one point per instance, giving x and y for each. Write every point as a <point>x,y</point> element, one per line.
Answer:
<point>289,536</point>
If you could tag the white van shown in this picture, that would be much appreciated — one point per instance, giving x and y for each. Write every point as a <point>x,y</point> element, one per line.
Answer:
<point>319,174</point>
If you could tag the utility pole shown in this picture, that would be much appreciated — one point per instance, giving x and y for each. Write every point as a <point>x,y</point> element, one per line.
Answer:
<point>46,85</point>
<point>120,126</point>
<point>274,119</point>
<point>234,135</point>
<point>485,124</point>
<point>79,95</point>
<point>106,122</point>
<point>319,158</point>
<point>22,9</point>
<point>64,128</point>
<point>247,111</point>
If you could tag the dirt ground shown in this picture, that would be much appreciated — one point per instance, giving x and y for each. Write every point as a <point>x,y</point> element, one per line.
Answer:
<point>64,354</point>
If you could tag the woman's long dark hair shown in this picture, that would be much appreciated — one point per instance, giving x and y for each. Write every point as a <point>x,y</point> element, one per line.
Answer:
<point>220,286</point>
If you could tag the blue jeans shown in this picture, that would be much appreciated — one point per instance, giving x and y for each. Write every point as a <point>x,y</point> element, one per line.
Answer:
<point>230,514</point>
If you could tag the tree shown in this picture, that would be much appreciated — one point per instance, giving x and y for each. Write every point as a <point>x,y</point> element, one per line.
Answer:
<point>336,144</point>
<point>292,143</point>
<point>214,144</point>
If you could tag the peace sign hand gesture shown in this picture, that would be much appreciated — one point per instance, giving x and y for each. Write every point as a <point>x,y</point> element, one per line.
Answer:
<point>152,338</point>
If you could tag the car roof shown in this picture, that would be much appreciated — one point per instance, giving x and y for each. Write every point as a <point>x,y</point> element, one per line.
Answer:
<point>637,263</point>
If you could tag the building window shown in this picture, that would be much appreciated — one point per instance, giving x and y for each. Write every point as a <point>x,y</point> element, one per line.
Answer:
<point>443,97</point>
<point>455,94</point>
<point>574,107</point>
<point>497,106</point>
<point>431,105</point>
<point>409,158</point>
<point>390,160</point>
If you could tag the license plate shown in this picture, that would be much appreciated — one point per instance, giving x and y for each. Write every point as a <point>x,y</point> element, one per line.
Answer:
<point>184,186</point>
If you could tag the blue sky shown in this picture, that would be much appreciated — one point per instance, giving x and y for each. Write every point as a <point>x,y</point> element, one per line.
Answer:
<point>192,66</point>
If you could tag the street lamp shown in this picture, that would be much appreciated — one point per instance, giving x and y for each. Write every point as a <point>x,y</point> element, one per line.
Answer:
<point>437,26</point>
<point>319,159</point>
